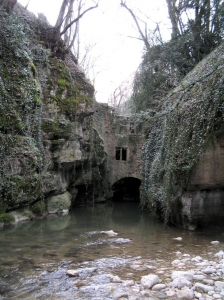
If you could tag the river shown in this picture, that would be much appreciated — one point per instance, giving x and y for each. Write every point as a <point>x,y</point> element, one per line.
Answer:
<point>31,252</point>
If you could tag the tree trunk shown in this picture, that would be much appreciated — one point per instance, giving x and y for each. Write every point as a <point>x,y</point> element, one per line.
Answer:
<point>172,10</point>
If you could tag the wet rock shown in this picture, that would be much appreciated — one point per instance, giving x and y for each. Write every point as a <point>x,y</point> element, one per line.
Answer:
<point>186,274</point>
<point>59,203</point>
<point>149,281</point>
<point>180,282</point>
<point>178,239</point>
<point>219,285</point>
<point>198,277</point>
<point>81,272</point>
<point>128,283</point>
<point>197,295</point>
<point>186,294</point>
<point>202,264</point>
<point>202,287</point>
<point>170,293</point>
<point>208,281</point>
<point>209,270</point>
<point>110,233</point>
<point>220,254</point>
<point>120,241</point>
<point>159,287</point>
<point>197,258</point>
<point>215,242</point>
<point>175,262</point>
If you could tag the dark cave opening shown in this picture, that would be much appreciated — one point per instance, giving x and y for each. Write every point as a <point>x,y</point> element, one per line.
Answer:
<point>126,189</point>
<point>84,195</point>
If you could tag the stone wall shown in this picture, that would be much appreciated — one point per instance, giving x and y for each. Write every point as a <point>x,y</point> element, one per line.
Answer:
<point>203,203</point>
<point>119,132</point>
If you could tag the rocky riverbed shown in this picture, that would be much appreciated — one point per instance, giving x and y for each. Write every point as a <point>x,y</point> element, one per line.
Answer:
<point>179,276</point>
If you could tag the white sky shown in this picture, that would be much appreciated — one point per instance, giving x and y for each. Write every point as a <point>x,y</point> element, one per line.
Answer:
<point>116,55</point>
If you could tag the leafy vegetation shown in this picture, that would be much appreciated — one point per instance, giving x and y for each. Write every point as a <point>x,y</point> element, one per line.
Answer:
<point>197,29</point>
<point>191,119</point>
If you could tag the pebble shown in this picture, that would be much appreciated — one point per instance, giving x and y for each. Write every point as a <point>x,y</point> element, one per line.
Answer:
<point>209,270</point>
<point>158,287</point>
<point>185,294</point>
<point>215,242</point>
<point>178,239</point>
<point>149,281</point>
<point>201,280</point>
<point>110,233</point>
<point>170,293</point>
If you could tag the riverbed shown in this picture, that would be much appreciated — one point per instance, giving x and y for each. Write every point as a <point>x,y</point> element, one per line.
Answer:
<point>35,256</point>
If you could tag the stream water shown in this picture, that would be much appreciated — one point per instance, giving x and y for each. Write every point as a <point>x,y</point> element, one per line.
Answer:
<point>40,247</point>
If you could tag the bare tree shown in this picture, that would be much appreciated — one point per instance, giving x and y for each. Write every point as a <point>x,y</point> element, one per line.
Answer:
<point>66,15</point>
<point>137,20</point>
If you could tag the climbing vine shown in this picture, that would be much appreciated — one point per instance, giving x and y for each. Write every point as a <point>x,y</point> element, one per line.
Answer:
<point>191,119</point>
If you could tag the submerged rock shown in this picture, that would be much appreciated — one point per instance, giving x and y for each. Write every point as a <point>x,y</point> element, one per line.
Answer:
<point>110,233</point>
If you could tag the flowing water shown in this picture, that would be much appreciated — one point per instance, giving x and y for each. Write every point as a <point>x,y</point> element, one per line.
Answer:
<point>31,248</point>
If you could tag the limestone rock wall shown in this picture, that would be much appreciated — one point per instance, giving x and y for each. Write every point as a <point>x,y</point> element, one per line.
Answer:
<point>48,144</point>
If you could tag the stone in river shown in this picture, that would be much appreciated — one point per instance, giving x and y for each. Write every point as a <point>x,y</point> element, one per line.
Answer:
<point>110,233</point>
<point>149,281</point>
<point>186,294</point>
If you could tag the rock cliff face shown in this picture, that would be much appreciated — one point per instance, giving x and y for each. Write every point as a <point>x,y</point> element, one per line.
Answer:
<point>184,176</point>
<point>49,149</point>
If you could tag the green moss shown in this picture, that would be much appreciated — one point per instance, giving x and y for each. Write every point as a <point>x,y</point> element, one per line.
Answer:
<point>10,120</point>
<point>71,90</point>
<point>38,209</point>
<point>59,127</point>
<point>6,218</point>
<point>63,84</point>
<point>34,70</point>
<point>5,72</point>
<point>59,142</point>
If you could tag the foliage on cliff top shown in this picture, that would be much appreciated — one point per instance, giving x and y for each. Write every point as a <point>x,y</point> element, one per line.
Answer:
<point>197,29</point>
<point>191,117</point>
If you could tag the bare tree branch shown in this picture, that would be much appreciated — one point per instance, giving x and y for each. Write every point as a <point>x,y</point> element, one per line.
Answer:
<point>144,36</point>
<point>76,19</point>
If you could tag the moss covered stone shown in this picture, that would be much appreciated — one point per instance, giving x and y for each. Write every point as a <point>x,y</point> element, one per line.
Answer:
<point>59,203</point>
<point>60,128</point>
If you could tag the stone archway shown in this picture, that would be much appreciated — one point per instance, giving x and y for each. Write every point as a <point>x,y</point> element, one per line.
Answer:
<point>126,189</point>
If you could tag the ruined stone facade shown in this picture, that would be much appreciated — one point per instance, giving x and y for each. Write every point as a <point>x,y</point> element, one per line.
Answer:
<point>123,143</point>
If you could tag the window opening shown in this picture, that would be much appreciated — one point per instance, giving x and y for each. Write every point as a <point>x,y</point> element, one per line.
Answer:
<point>124,154</point>
<point>121,153</point>
<point>118,153</point>
<point>132,128</point>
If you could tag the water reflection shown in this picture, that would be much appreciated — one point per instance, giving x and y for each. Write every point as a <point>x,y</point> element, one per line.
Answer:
<point>42,244</point>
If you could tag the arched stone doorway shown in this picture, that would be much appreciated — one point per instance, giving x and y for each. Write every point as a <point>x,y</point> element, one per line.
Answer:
<point>126,189</point>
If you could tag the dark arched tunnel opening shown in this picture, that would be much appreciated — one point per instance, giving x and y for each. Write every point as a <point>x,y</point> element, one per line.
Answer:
<point>126,189</point>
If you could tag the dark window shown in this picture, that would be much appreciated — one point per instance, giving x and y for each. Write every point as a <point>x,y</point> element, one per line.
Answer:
<point>132,128</point>
<point>118,153</point>
<point>124,154</point>
<point>121,153</point>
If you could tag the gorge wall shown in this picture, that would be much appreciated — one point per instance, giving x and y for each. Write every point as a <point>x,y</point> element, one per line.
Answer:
<point>50,152</point>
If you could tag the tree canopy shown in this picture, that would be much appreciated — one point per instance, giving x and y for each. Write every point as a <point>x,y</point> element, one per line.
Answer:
<point>197,29</point>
